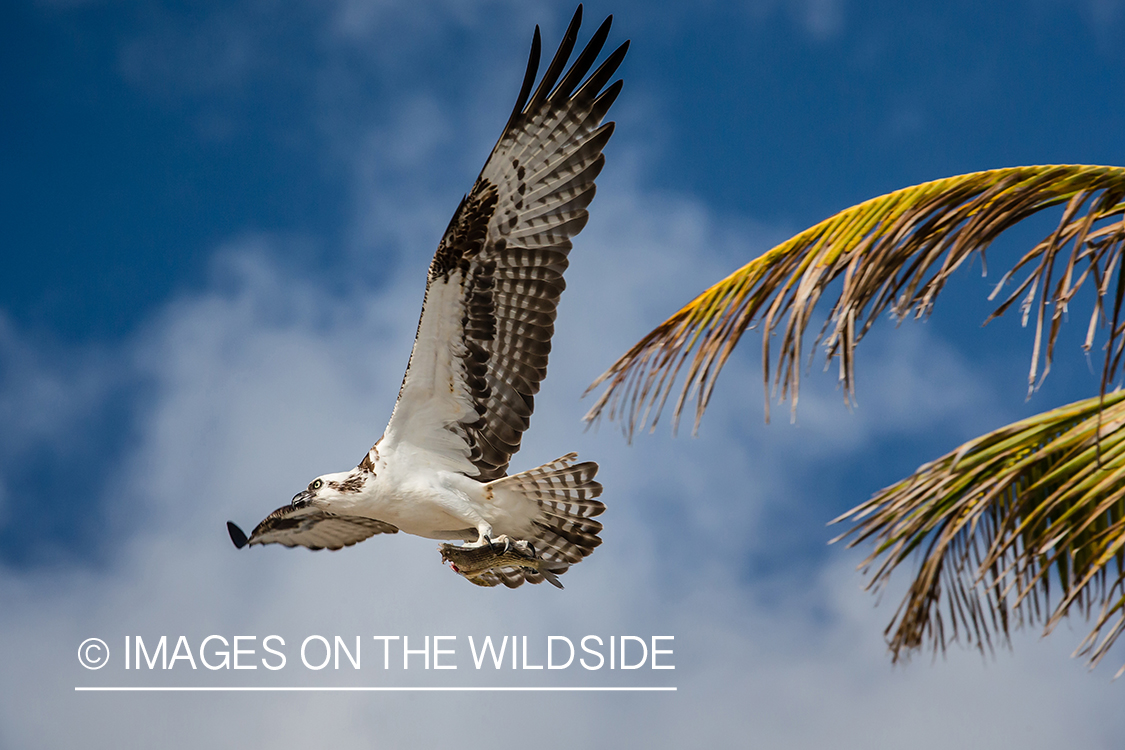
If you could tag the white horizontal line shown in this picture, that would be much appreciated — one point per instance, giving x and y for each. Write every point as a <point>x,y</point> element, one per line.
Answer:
<point>115,689</point>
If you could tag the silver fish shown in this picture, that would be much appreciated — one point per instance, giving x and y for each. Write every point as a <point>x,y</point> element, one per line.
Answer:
<point>477,563</point>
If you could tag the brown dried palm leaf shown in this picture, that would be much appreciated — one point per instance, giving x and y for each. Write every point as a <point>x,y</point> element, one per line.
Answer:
<point>895,251</point>
<point>1003,519</point>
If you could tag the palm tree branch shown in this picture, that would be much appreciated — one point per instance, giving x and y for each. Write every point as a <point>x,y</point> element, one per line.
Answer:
<point>1001,519</point>
<point>895,252</point>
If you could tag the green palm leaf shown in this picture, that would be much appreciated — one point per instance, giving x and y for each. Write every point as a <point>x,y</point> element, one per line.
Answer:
<point>895,251</point>
<point>1003,519</point>
<point>1007,521</point>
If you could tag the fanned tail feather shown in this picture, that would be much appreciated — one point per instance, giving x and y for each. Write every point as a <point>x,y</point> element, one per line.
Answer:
<point>565,528</point>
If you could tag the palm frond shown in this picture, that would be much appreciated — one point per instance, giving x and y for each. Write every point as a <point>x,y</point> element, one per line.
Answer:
<point>896,251</point>
<point>1003,519</point>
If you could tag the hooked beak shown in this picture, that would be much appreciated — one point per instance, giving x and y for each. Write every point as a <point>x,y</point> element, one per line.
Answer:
<point>301,499</point>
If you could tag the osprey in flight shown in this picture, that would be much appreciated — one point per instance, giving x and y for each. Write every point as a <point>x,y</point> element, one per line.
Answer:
<point>440,469</point>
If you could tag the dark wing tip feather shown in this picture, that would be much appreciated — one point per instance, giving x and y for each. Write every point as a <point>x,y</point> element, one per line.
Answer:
<point>528,79</point>
<point>558,62</point>
<point>605,71</point>
<point>581,65</point>
<point>606,99</point>
<point>237,535</point>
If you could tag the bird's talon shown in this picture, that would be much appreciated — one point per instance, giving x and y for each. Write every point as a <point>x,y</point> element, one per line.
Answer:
<point>504,542</point>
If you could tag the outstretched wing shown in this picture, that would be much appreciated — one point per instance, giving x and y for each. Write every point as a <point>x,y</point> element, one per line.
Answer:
<point>495,281</point>
<point>309,527</point>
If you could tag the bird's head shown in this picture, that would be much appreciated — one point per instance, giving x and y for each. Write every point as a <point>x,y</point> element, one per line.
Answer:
<point>332,491</point>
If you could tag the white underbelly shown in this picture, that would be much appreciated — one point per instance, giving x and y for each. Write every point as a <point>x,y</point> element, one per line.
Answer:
<point>421,514</point>
<point>443,505</point>
<point>424,502</point>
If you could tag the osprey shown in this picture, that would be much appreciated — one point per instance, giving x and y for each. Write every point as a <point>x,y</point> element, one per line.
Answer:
<point>440,469</point>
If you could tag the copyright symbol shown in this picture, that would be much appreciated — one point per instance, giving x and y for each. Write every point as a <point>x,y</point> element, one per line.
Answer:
<point>93,653</point>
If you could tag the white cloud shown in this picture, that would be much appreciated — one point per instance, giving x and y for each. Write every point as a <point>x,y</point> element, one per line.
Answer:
<point>361,21</point>
<point>822,19</point>
<point>268,375</point>
<point>262,380</point>
<point>819,20</point>
<point>49,393</point>
<point>180,55</point>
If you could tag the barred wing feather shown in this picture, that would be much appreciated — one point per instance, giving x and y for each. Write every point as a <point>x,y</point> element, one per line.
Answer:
<point>495,280</point>
<point>292,525</point>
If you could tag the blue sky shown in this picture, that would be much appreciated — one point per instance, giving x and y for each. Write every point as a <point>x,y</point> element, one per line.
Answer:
<point>217,220</point>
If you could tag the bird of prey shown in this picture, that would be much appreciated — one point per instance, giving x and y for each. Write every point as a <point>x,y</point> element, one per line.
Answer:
<point>440,469</point>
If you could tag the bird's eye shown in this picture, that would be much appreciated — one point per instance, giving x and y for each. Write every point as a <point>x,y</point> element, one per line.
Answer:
<point>315,485</point>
